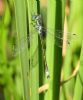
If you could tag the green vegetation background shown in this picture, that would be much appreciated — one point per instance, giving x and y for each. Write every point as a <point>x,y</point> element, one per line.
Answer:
<point>14,66</point>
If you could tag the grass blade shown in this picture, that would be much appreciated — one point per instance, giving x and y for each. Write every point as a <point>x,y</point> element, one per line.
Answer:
<point>54,53</point>
<point>73,52</point>
<point>20,11</point>
<point>33,9</point>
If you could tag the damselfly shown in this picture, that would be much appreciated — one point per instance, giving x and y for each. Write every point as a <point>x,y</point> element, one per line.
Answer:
<point>36,22</point>
<point>57,38</point>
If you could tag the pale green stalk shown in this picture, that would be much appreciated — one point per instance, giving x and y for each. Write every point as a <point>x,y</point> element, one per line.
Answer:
<point>33,8</point>
<point>55,19</point>
<point>21,25</point>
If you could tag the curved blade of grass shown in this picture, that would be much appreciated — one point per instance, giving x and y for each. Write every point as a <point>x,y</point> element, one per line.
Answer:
<point>20,13</point>
<point>78,89</point>
<point>79,80</point>
<point>73,53</point>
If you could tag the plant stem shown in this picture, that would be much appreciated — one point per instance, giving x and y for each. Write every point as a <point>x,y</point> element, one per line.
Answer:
<point>20,13</point>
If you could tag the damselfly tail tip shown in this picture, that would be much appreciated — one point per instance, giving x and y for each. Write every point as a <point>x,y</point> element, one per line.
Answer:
<point>48,76</point>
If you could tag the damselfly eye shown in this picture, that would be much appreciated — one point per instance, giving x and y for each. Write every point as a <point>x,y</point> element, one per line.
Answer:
<point>34,17</point>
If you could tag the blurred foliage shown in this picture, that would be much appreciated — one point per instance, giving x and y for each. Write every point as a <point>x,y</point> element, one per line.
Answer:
<point>10,75</point>
<point>10,67</point>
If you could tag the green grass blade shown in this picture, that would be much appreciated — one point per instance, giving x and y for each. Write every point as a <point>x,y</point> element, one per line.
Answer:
<point>33,9</point>
<point>73,52</point>
<point>78,91</point>
<point>55,19</point>
<point>20,13</point>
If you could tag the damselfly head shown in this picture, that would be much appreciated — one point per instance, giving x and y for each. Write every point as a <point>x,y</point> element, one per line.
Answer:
<point>36,17</point>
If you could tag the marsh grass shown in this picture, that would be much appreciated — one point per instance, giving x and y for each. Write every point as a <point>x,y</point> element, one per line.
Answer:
<point>22,76</point>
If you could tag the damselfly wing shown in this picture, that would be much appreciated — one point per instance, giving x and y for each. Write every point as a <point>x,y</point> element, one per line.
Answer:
<point>58,38</point>
<point>56,34</point>
<point>17,49</point>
